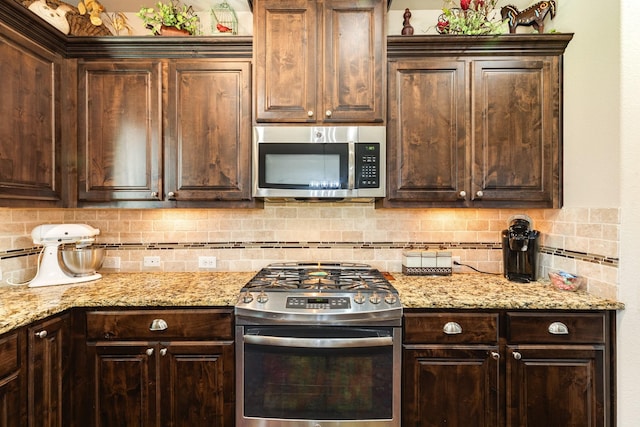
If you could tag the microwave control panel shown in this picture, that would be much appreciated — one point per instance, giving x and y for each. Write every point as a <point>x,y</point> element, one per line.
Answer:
<point>368,165</point>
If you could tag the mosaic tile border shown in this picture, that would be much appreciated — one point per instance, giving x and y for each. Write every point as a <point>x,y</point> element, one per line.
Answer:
<point>581,256</point>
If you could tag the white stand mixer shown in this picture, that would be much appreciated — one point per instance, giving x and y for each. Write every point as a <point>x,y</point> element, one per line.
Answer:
<point>52,236</point>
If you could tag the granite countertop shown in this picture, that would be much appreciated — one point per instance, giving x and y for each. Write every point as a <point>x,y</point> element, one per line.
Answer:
<point>21,305</point>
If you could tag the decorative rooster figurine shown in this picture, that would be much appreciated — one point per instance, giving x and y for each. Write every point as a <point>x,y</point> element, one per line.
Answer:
<point>533,15</point>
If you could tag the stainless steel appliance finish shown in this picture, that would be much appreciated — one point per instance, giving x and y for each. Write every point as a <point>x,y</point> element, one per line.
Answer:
<point>319,162</point>
<point>318,345</point>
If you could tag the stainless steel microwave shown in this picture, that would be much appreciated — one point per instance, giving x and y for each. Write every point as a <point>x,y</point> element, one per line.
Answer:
<point>319,162</point>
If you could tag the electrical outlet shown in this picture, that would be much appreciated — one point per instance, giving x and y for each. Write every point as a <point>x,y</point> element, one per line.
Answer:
<point>152,261</point>
<point>111,262</point>
<point>206,262</point>
<point>455,261</point>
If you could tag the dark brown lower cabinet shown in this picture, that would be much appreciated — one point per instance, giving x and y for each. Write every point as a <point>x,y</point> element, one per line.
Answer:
<point>12,380</point>
<point>528,369</point>
<point>183,378</point>
<point>451,387</point>
<point>48,361</point>
<point>161,384</point>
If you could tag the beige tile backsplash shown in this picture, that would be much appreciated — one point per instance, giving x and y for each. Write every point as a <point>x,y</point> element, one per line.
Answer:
<point>574,239</point>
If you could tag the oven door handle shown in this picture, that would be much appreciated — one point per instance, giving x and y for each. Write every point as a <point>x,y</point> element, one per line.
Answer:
<point>318,342</point>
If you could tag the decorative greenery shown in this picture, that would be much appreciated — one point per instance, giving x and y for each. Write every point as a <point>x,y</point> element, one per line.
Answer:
<point>470,17</point>
<point>171,14</point>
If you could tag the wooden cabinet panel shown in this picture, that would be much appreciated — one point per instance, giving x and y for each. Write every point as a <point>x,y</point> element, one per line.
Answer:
<point>285,51</point>
<point>475,125</point>
<point>30,123</point>
<point>516,122</point>
<point>427,121</point>
<point>554,386</point>
<point>453,386</point>
<point>124,385</point>
<point>13,389</point>
<point>199,384</point>
<point>179,324</point>
<point>120,131</point>
<point>179,376</point>
<point>557,328</point>
<point>529,377</point>
<point>319,61</point>
<point>354,51</point>
<point>48,349</point>
<point>208,130</point>
<point>451,328</point>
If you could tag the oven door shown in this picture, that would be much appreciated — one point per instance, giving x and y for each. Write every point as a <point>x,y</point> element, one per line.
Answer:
<point>314,376</point>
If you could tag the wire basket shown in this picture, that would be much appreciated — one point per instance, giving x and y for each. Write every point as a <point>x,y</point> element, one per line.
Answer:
<point>224,19</point>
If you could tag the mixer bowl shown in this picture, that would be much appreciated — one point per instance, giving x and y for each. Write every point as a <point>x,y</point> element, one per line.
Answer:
<point>82,261</point>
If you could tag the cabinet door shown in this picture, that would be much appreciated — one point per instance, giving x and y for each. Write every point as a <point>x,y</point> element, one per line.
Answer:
<point>209,130</point>
<point>453,386</point>
<point>48,356</point>
<point>353,81</point>
<point>286,60</point>
<point>13,400</point>
<point>556,386</point>
<point>426,132</point>
<point>30,121</point>
<point>516,141</point>
<point>119,131</point>
<point>124,382</point>
<point>197,384</point>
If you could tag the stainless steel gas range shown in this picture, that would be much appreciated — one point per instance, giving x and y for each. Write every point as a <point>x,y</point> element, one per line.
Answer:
<point>318,345</point>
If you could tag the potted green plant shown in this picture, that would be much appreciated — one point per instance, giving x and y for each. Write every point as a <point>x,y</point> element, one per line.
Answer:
<point>170,18</point>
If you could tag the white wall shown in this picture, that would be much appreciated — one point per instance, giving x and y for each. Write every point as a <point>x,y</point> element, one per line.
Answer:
<point>629,319</point>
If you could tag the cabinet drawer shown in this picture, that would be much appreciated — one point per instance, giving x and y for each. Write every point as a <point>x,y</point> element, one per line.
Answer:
<point>160,324</point>
<point>9,357</point>
<point>556,328</point>
<point>463,328</point>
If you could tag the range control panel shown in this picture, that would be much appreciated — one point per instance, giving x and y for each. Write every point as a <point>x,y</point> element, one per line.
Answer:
<point>315,303</point>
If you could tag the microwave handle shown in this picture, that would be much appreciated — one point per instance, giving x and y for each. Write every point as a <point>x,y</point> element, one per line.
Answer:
<point>352,166</point>
<point>318,342</point>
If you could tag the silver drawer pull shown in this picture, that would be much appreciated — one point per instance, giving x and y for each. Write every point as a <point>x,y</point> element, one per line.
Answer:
<point>452,328</point>
<point>158,325</point>
<point>558,328</point>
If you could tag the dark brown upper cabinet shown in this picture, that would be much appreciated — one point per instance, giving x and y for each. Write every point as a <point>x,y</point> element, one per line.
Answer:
<point>475,122</point>
<point>164,133</point>
<point>31,160</point>
<point>319,61</point>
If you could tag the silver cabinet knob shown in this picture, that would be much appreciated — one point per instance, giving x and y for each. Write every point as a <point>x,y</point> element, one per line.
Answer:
<point>452,328</point>
<point>517,355</point>
<point>309,113</point>
<point>558,328</point>
<point>462,194</point>
<point>163,352</point>
<point>158,325</point>
<point>171,195</point>
<point>42,334</point>
<point>479,193</point>
<point>328,113</point>
<point>495,355</point>
<point>149,352</point>
<point>154,194</point>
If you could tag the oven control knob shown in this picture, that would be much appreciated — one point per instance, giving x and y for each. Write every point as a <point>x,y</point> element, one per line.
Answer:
<point>262,297</point>
<point>375,298</point>
<point>390,298</point>
<point>359,298</point>
<point>247,297</point>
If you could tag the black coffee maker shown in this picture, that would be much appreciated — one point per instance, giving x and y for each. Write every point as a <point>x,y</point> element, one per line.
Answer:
<point>520,250</point>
